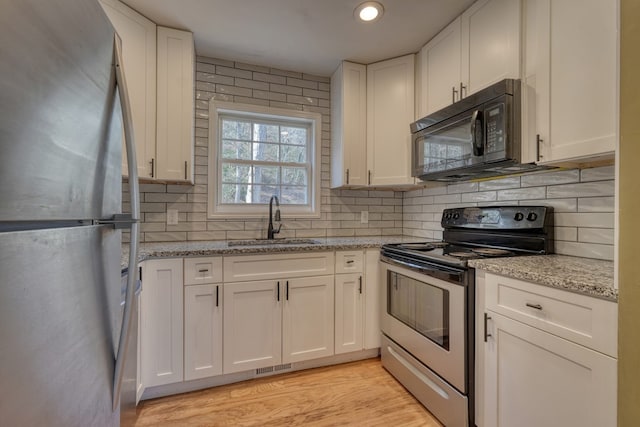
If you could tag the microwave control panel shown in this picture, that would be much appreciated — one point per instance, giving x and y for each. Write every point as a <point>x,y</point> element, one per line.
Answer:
<point>495,128</point>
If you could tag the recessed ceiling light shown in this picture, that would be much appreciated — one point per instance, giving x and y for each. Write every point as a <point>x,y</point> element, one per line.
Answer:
<point>369,11</point>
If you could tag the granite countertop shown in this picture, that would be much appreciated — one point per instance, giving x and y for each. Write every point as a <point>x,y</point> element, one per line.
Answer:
<point>591,277</point>
<point>210,248</point>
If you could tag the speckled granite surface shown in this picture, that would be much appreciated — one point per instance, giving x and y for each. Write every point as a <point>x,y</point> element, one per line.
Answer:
<point>186,249</point>
<point>586,276</point>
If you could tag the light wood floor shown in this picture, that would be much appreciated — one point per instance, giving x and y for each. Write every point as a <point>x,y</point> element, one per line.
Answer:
<point>353,394</point>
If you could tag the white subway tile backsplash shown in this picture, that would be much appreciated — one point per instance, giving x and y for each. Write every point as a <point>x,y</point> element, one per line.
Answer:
<point>481,196</point>
<point>586,189</point>
<point>596,235</point>
<point>586,250</point>
<point>596,204</point>
<point>500,184</point>
<point>558,205</point>
<point>465,187</point>
<point>550,178</point>
<point>530,193</point>
<point>568,234</point>
<point>591,220</point>
<point>598,174</point>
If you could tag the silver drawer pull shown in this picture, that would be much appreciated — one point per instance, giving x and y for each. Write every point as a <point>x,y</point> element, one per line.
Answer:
<point>536,306</point>
<point>350,261</point>
<point>203,271</point>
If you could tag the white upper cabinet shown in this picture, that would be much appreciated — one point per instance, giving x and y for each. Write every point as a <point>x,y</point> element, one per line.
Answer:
<point>571,77</point>
<point>348,125</point>
<point>138,35</point>
<point>439,78</point>
<point>175,105</point>
<point>371,109</point>
<point>479,48</point>
<point>390,111</point>
<point>490,44</point>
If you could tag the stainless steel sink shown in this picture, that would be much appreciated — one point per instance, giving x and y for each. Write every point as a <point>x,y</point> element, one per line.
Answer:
<point>261,242</point>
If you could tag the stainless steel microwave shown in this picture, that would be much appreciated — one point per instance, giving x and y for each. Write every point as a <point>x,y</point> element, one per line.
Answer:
<point>478,136</point>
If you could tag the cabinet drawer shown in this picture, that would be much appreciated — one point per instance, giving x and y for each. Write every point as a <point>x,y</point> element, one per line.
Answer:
<point>263,267</point>
<point>349,262</point>
<point>584,320</point>
<point>202,270</point>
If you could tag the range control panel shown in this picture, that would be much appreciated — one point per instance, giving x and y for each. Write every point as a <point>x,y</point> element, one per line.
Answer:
<point>497,217</point>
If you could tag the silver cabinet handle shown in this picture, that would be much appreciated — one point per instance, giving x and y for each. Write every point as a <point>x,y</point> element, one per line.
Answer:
<point>462,88</point>
<point>536,306</point>
<point>153,163</point>
<point>538,146</point>
<point>205,270</point>
<point>486,333</point>
<point>347,176</point>
<point>369,177</point>
<point>360,284</point>
<point>350,261</point>
<point>454,92</point>
<point>134,196</point>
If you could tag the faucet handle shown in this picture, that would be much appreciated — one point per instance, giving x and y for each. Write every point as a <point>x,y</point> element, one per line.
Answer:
<point>279,227</point>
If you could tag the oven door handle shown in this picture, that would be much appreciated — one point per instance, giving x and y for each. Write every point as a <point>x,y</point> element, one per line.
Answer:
<point>439,272</point>
<point>477,133</point>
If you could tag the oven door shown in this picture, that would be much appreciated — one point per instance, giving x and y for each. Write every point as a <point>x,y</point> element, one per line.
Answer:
<point>427,316</point>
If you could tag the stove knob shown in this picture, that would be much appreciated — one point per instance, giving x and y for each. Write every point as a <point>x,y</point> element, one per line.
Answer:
<point>456,215</point>
<point>519,216</point>
<point>532,216</point>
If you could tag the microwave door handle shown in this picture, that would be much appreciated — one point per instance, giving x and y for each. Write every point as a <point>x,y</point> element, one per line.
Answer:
<point>477,140</point>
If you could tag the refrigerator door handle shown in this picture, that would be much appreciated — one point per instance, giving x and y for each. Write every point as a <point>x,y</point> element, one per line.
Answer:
<point>135,217</point>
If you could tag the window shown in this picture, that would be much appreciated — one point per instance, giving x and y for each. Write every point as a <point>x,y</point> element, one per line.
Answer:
<point>258,152</point>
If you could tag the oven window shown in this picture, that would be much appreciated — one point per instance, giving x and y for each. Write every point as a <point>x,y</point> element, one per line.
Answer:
<point>419,305</point>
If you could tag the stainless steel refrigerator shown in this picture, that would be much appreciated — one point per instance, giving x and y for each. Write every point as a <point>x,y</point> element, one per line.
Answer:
<point>64,319</point>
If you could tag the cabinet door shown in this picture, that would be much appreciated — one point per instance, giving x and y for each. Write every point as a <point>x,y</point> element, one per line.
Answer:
<point>533,378</point>
<point>349,125</point>
<point>440,71</point>
<point>490,43</point>
<point>252,327</point>
<point>138,35</point>
<point>307,329</point>
<point>576,78</point>
<point>175,106</point>
<point>348,319</point>
<point>162,322</point>
<point>202,331</point>
<point>390,105</point>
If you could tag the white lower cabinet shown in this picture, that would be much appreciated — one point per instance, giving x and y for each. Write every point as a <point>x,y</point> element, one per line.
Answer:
<point>534,378</point>
<point>307,319</point>
<point>545,357</point>
<point>197,322</point>
<point>202,331</point>
<point>252,327</point>
<point>162,322</point>
<point>349,304</point>
<point>271,322</point>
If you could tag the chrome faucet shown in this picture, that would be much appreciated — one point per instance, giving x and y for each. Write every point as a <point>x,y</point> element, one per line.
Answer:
<point>270,231</point>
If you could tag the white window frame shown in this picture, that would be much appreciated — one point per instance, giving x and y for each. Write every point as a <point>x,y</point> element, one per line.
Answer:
<point>217,210</point>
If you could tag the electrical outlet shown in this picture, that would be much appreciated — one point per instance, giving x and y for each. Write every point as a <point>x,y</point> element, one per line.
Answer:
<point>172,216</point>
<point>364,217</point>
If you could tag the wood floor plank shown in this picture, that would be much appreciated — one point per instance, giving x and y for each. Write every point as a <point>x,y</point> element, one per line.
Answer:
<point>353,394</point>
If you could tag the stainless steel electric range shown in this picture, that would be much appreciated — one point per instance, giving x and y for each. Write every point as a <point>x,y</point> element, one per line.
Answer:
<point>428,304</point>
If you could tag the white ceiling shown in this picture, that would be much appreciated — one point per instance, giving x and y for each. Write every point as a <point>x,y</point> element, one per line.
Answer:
<point>310,36</point>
